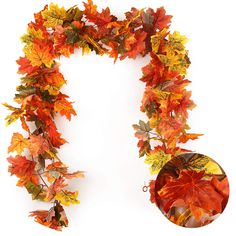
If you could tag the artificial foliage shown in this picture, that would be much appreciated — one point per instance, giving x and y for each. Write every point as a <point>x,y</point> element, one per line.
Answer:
<point>57,32</point>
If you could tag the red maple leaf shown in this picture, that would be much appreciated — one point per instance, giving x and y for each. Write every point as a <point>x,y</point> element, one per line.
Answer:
<point>54,135</point>
<point>92,15</point>
<point>161,20</point>
<point>23,169</point>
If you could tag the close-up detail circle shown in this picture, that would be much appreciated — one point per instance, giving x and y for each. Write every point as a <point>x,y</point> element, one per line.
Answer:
<point>191,190</point>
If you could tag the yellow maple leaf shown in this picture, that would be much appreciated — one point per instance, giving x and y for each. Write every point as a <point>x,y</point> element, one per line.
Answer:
<point>213,168</point>
<point>67,198</point>
<point>18,143</point>
<point>178,38</point>
<point>175,62</point>
<point>54,15</point>
<point>157,159</point>
<point>156,39</point>
<point>84,46</point>
<point>39,54</point>
<point>15,115</point>
<point>32,34</point>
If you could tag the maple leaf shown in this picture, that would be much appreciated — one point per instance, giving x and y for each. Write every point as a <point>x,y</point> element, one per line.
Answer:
<point>55,187</point>
<point>144,147</point>
<point>192,190</point>
<point>76,174</point>
<point>222,187</point>
<point>154,72</point>
<point>23,169</point>
<point>135,44</point>
<point>185,137</point>
<point>157,159</point>
<point>161,20</point>
<point>18,143</point>
<point>198,162</point>
<point>170,127</point>
<point>153,21</point>
<point>36,191</point>
<point>52,82</point>
<point>24,124</point>
<point>134,17</point>
<point>114,50</point>
<point>67,198</point>
<point>212,168</point>
<point>100,19</point>
<point>25,66</point>
<point>176,43</point>
<point>39,53</point>
<point>61,45</point>
<point>57,169</point>
<point>37,145</point>
<point>55,218</point>
<point>142,130</point>
<point>74,14</point>
<point>184,104</point>
<point>90,8</point>
<point>54,15</point>
<point>175,62</point>
<point>32,33</point>
<point>173,55</point>
<point>157,39</point>
<point>54,135</point>
<point>64,107</point>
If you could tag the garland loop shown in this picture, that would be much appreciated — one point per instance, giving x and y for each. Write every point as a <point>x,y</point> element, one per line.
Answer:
<point>57,32</point>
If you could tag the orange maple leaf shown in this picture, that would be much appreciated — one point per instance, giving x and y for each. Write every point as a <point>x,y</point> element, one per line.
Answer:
<point>183,138</point>
<point>37,145</point>
<point>191,190</point>
<point>18,143</point>
<point>135,45</point>
<point>170,126</point>
<point>39,53</point>
<point>222,186</point>
<point>64,107</point>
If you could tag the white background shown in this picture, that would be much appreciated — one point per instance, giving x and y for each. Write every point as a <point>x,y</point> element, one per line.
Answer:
<point>101,139</point>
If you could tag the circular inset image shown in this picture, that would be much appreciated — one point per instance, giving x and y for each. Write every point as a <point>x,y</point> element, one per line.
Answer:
<point>191,190</point>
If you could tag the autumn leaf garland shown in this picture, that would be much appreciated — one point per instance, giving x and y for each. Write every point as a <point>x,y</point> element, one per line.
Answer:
<point>57,32</point>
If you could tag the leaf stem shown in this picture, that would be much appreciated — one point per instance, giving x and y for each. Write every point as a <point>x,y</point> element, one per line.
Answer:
<point>42,179</point>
